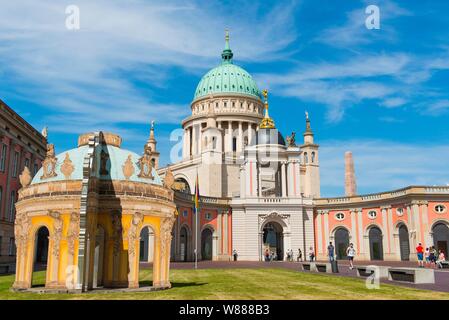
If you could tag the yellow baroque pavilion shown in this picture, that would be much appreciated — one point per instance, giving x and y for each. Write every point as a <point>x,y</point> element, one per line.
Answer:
<point>83,213</point>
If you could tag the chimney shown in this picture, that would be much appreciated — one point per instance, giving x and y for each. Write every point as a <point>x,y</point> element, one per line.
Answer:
<point>350,184</point>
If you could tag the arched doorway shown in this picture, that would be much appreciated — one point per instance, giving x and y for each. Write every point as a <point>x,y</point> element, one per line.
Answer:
<point>341,243</point>
<point>206,244</point>
<point>146,254</point>
<point>404,243</point>
<point>184,245</point>
<point>375,244</point>
<point>441,237</point>
<point>40,262</point>
<point>146,245</point>
<point>99,258</point>
<point>273,239</point>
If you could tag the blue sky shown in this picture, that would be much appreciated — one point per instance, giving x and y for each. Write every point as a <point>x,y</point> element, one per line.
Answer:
<point>383,94</point>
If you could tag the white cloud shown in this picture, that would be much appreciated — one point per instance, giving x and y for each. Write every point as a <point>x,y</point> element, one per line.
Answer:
<point>382,165</point>
<point>354,32</point>
<point>85,78</point>
<point>394,102</point>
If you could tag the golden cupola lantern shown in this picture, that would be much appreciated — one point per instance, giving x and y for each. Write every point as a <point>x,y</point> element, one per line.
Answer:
<point>267,122</point>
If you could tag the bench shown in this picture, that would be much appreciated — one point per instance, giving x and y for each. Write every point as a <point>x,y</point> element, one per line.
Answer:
<point>367,271</point>
<point>413,275</point>
<point>323,267</point>
<point>445,264</point>
<point>309,266</point>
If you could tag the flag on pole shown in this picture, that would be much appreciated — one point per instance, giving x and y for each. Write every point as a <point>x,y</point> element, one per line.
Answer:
<point>197,196</point>
<point>196,211</point>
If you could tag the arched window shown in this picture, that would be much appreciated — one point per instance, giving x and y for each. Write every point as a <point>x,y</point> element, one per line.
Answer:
<point>306,158</point>
<point>313,157</point>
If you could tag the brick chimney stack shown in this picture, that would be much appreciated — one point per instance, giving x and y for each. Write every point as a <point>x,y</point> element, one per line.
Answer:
<point>350,184</point>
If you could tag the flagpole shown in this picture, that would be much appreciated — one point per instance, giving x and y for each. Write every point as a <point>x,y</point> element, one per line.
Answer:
<point>196,219</point>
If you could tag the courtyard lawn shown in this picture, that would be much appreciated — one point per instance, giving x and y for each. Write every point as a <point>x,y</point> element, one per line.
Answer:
<point>242,284</point>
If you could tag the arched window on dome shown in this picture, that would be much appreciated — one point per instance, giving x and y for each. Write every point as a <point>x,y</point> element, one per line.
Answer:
<point>306,158</point>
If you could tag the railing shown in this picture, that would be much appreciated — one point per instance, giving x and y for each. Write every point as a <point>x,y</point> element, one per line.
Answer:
<point>437,189</point>
<point>412,190</point>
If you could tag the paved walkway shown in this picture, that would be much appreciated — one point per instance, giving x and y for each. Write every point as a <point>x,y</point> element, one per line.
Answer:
<point>441,276</point>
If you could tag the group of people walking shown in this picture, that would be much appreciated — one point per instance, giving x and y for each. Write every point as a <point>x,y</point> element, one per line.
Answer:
<point>426,257</point>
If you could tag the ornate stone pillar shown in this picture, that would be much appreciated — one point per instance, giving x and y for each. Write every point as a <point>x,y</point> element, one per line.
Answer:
<point>164,258</point>
<point>54,245</point>
<point>133,250</point>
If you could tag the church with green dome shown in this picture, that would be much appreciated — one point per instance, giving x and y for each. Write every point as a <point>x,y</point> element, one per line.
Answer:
<point>227,78</point>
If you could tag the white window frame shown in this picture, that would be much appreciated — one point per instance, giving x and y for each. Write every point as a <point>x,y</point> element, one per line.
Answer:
<point>340,219</point>
<point>438,205</point>
<point>400,212</point>
<point>370,216</point>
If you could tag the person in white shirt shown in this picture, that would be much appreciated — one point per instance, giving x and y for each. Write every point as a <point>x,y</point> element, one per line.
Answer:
<point>350,252</point>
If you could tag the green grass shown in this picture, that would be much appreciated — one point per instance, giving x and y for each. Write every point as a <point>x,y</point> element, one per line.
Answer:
<point>243,284</point>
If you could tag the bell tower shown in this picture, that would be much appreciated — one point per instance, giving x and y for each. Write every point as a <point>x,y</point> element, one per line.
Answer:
<point>310,161</point>
<point>151,146</point>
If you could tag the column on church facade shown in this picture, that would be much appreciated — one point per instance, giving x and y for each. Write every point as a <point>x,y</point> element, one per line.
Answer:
<point>250,133</point>
<point>284,180</point>
<point>243,180</point>
<point>188,152</point>
<point>259,179</point>
<point>290,190</point>
<point>194,140</point>
<point>200,138</point>
<point>184,144</point>
<point>228,147</point>
<point>240,138</point>
<point>223,141</point>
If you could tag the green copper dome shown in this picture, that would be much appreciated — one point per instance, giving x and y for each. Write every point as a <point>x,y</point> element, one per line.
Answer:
<point>227,78</point>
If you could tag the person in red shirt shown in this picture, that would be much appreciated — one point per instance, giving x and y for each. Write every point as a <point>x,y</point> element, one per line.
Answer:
<point>420,253</point>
